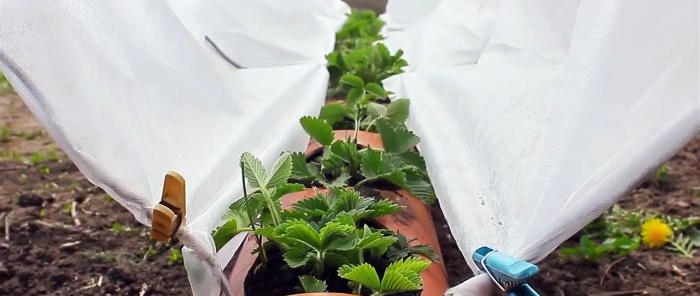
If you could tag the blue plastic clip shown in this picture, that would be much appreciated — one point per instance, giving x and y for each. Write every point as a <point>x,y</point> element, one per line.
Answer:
<point>508,273</point>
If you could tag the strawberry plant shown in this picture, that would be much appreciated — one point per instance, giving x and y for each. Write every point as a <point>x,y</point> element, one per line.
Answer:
<point>372,64</point>
<point>332,241</point>
<point>400,276</point>
<point>326,239</point>
<point>360,30</point>
<point>343,163</point>
<point>365,104</point>
<point>263,201</point>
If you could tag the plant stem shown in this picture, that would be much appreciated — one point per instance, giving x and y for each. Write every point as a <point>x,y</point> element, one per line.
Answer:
<point>365,181</point>
<point>371,123</point>
<point>258,239</point>
<point>320,270</point>
<point>276,220</point>
<point>357,114</point>
<point>361,259</point>
<point>357,121</point>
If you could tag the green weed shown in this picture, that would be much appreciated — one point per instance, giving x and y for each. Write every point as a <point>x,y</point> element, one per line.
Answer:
<point>662,175</point>
<point>617,233</point>
<point>5,133</point>
<point>175,256</point>
<point>5,86</point>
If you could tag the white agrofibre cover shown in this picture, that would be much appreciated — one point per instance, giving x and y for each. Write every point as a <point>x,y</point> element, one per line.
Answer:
<point>536,116</point>
<point>132,89</point>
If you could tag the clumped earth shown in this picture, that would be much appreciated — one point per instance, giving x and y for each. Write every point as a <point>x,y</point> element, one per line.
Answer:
<point>60,235</point>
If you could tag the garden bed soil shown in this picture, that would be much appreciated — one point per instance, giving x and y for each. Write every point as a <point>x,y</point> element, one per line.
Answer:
<point>99,250</point>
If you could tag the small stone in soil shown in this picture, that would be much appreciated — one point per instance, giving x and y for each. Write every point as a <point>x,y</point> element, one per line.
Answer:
<point>118,275</point>
<point>59,279</point>
<point>5,274</point>
<point>79,198</point>
<point>682,204</point>
<point>30,200</point>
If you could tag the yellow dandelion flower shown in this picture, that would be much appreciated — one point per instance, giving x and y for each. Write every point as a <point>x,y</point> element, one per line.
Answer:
<point>656,233</point>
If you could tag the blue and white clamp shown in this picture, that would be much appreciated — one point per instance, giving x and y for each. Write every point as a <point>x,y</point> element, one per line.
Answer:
<point>507,272</point>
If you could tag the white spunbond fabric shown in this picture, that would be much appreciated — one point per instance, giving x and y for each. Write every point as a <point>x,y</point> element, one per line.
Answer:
<point>557,109</point>
<point>402,14</point>
<point>443,23</point>
<point>265,33</point>
<point>129,90</point>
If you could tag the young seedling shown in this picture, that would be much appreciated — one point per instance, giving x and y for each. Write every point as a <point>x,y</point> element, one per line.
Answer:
<point>45,170</point>
<point>331,236</point>
<point>372,64</point>
<point>263,201</point>
<point>344,164</point>
<point>320,234</point>
<point>662,175</point>
<point>404,248</point>
<point>400,276</point>
<point>361,110</point>
<point>175,256</point>
<point>117,227</point>
<point>149,252</point>
<point>360,30</point>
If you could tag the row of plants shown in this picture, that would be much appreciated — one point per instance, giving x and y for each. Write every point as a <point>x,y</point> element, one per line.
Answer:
<point>350,214</point>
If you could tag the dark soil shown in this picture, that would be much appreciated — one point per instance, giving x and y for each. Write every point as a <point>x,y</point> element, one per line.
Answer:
<point>47,247</point>
<point>286,279</point>
<point>644,272</point>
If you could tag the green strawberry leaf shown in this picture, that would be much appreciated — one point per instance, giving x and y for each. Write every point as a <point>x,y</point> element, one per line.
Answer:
<point>318,129</point>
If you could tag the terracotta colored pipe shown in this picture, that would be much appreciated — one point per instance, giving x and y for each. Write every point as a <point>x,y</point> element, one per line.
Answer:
<point>335,100</point>
<point>364,139</point>
<point>323,294</point>
<point>415,221</point>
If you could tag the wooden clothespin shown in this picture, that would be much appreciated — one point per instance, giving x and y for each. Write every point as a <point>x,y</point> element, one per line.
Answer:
<point>169,214</point>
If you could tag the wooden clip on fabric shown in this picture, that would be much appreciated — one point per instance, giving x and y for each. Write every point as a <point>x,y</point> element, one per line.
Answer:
<point>169,214</point>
